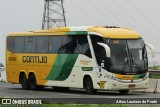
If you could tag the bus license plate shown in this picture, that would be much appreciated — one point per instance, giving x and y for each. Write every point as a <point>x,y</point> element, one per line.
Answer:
<point>131,86</point>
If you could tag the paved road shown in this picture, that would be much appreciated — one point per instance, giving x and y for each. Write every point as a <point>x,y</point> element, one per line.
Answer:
<point>14,91</point>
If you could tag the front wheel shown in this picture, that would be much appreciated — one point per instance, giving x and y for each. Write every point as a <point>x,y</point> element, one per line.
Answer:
<point>32,82</point>
<point>123,92</point>
<point>89,86</point>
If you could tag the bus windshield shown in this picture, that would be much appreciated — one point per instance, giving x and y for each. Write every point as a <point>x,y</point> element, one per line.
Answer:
<point>128,56</point>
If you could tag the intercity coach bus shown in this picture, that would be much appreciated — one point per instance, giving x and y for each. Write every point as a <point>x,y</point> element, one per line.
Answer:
<point>93,58</point>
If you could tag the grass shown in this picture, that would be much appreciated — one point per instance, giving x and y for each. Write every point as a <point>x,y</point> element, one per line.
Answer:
<point>155,76</point>
<point>155,67</point>
<point>84,105</point>
<point>2,80</point>
<point>98,105</point>
<point>92,105</point>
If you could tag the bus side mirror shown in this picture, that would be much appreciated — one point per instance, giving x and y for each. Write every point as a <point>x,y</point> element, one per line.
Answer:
<point>151,48</point>
<point>107,49</point>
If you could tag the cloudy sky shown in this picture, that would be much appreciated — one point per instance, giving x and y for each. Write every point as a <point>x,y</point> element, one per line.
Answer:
<point>140,15</point>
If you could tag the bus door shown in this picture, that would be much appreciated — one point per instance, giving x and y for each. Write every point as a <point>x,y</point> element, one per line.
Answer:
<point>101,59</point>
<point>103,65</point>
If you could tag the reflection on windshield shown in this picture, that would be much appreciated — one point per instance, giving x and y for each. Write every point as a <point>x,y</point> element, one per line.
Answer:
<point>118,52</point>
<point>128,56</point>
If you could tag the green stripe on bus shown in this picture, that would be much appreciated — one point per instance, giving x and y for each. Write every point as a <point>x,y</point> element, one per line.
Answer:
<point>67,67</point>
<point>57,66</point>
<point>140,75</point>
<point>77,33</point>
<point>62,67</point>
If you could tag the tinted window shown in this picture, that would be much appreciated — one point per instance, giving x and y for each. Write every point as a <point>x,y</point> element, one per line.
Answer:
<point>19,44</point>
<point>69,45</point>
<point>11,44</point>
<point>82,46</point>
<point>42,45</point>
<point>100,52</point>
<point>75,44</point>
<point>55,43</point>
<point>30,44</point>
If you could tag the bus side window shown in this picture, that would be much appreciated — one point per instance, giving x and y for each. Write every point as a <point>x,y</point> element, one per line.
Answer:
<point>99,51</point>
<point>42,45</point>
<point>11,44</point>
<point>69,46</point>
<point>55,43</point>
<point>82,46</point>
<point>30,44</point>
<point>19,44</point>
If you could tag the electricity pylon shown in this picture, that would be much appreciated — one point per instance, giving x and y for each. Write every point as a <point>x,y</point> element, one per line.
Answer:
<point>54,14</point>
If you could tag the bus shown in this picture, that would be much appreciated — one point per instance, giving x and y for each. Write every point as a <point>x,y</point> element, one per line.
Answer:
<point>92,58</point>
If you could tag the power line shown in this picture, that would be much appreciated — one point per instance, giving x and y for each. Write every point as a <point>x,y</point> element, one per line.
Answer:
<point>110,11</point>
<point>84,12</point>
<point>115,11</point>
<point>150,38</point>
<point>139,12</point>
<point>98,10</point>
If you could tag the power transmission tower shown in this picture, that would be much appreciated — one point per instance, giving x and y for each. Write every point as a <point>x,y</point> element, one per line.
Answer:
<point>54,14</point>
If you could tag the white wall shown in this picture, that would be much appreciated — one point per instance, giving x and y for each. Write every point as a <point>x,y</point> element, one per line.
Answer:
<point>3,75</point>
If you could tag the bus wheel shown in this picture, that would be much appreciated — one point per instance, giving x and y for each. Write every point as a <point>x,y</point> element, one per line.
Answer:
<point>32,82</point>
<point>123,92</point>
<point>89,86</point>
<point>24,82</point>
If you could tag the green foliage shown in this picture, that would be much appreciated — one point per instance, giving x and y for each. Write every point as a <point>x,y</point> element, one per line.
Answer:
<point>155,76</point>
<point>2,80</point>
<point>0,101</point>
<point>155,67</point>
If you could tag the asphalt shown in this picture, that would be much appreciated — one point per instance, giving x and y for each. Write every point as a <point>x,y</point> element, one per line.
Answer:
<point>8,90</point>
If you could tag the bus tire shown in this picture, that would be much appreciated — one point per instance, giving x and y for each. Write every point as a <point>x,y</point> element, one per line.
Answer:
<point>123,92</point>
<point>32,82</point>
<point>24,82</point>
<point>89,86</point>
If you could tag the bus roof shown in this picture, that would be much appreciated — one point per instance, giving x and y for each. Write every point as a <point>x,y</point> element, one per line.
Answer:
<point>106,32</point>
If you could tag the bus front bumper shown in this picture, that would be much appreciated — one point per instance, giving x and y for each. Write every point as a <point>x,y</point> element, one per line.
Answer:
<point>129,84</point>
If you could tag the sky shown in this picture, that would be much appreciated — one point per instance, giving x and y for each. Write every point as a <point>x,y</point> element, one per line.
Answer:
<point>140,15</point>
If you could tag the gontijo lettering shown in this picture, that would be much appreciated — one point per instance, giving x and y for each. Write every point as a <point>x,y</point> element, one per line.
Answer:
<point>34,59</point>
